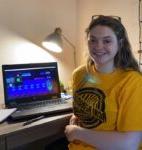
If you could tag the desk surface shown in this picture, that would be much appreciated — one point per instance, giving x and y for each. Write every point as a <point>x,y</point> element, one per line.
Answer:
<point>15,134</point>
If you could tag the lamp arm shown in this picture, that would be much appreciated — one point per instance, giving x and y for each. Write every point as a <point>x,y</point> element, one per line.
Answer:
<point>74,49</point>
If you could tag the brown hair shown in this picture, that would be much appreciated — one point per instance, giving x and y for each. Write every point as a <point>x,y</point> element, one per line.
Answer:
<point>124,58</point>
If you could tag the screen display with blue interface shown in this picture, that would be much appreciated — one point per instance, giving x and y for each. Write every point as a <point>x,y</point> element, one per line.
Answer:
<point>22,83</point>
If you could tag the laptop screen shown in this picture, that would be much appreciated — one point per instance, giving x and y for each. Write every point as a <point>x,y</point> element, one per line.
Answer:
<point>30,82</point>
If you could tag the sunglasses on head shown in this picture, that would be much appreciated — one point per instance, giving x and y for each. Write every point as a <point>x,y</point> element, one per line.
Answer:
<point>114,17</point>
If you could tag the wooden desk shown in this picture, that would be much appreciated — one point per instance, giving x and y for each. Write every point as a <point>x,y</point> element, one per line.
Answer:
<point>15,134</point>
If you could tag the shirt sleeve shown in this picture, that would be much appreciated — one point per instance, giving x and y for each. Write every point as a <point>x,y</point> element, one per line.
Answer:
<point>130,106</point>
<point>78,78</point>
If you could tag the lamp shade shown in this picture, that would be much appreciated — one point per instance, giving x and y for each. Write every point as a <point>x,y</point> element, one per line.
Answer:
<point>53,42</point>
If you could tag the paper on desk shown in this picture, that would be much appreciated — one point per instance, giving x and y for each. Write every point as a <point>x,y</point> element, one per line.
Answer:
<point>4,113</point>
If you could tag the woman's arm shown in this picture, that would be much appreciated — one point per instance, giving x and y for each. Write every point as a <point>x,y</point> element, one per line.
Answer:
<point>73,120</point>
<point>104,140</point>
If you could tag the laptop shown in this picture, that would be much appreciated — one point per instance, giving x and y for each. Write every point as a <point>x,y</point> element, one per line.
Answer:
<point>34,89</point>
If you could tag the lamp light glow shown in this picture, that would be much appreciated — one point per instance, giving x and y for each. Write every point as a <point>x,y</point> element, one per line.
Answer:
<point>52,46</point>
<point>54,43</point>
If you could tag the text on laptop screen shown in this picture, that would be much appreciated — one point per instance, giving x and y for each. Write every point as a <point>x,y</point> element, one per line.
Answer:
<point>31,82</point>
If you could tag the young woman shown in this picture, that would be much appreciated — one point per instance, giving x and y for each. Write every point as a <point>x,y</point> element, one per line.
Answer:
<point>107,92</point>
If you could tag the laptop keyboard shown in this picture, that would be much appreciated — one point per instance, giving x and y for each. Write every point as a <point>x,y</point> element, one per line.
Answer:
<point>41,108</point>
<point>39,104</point>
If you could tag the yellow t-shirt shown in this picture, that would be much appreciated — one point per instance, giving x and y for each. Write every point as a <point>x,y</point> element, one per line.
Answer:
<point>107,101</point>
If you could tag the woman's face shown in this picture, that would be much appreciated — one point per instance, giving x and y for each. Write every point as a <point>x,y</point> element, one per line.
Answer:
<point>103,45</point>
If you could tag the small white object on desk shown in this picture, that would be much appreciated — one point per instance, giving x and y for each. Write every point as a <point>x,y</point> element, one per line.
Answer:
<point>5,113</point>
<point>66,96</point>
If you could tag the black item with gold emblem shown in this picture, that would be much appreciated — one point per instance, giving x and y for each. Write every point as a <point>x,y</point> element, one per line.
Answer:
<point>89,107</point>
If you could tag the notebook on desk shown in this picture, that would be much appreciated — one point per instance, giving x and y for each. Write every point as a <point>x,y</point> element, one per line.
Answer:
<point>33,89</point>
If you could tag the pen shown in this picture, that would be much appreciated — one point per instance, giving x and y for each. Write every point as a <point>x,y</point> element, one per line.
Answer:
<point>33,120</point>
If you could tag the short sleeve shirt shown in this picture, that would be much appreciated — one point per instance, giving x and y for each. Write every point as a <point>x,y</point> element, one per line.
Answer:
<point>108,101</point>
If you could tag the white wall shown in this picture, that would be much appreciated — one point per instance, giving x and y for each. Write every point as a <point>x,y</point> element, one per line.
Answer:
<point>23,26</point>
<point>25,23</point>
<point>126,9</point>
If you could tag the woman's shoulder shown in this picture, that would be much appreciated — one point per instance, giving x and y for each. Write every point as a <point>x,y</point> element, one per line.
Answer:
<point>133,76</point>
<point>79,70</point>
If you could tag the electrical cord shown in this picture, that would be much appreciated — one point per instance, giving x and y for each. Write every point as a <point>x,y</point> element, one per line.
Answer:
<point>140,33</point>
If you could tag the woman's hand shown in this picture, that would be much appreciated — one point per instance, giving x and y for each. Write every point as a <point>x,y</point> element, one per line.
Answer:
<point>72,132</point>
<point>73,120</point>
<point>72,129</point>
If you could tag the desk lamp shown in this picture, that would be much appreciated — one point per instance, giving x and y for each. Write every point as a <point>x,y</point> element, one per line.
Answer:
<point>54,43</point>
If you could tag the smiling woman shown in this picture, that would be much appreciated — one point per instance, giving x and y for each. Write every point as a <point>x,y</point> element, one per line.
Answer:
<point>103,46</point>
<point>106,111</point>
